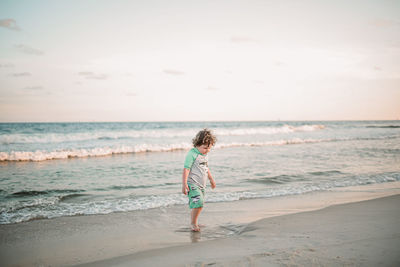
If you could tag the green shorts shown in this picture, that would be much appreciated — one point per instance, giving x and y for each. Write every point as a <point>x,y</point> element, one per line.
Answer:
<point>196,197</point>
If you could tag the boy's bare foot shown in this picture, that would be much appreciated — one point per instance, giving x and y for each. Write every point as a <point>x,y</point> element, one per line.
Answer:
<point>195,228</point>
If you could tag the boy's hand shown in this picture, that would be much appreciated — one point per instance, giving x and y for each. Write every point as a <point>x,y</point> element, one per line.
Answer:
<point>185,189</point>
<point>212,182</point>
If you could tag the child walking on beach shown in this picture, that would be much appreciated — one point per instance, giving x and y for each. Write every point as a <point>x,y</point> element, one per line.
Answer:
<point>196,172</point>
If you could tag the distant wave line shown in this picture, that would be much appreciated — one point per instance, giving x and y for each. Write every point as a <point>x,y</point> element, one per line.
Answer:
<point>143,148</point>
<point>28,193</point>
<point>132,134</point>
<point>384,126</point>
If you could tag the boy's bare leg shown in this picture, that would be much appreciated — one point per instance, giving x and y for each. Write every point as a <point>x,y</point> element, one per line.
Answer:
<point>195,215</point>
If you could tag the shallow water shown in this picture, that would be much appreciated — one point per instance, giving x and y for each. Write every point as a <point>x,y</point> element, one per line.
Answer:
<point>62,169</point>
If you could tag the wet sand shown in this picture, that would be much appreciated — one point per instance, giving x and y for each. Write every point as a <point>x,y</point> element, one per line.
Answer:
<point>310,229</point>
<point>357,234</point>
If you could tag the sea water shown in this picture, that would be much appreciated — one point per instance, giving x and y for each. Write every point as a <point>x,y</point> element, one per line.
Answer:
<point>50,170</point>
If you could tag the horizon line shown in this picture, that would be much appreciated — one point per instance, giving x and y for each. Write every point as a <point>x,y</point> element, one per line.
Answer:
<point>183,121</point>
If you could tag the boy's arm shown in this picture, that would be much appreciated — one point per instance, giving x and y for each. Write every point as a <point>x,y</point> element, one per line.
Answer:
<point>189,160</point>
<point>185,174</point>
<point>212,181</point>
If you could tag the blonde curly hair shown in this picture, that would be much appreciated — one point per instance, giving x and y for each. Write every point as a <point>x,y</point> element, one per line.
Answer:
<point>204,137</point>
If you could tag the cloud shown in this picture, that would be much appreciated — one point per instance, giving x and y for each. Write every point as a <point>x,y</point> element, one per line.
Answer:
<point>28,50</point>
<point>85,73</point>
<point>7,65</point>
<point>241,39</point>
<point>21,74</point>
<point>98,77</point>
<point>173,72</point>
<point>9,24</point>
<point>212,88</point>
<point>131,94</point>
<point>34,88</point>
<point>93,76</point>
<point>384,23</point>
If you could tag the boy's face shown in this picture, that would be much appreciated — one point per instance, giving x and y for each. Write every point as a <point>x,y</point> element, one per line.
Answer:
<point>204,149</point>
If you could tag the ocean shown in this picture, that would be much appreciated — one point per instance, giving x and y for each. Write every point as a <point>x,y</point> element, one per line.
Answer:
<point>51,170</point>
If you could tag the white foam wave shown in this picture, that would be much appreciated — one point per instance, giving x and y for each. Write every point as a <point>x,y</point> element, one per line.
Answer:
<point>164,133</point>
<point>283,190</point>
<point>76,137</point>
<point>269,130</point>
<point>88,208</point>
<point>52,209</point>
<point>293,141</point>
<point>40,155</point>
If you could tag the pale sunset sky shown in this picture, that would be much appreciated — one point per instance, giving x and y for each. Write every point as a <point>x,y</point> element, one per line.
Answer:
<point>201,60</point>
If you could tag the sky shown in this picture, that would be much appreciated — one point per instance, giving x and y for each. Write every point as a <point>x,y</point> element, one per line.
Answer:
<point>199,60</point>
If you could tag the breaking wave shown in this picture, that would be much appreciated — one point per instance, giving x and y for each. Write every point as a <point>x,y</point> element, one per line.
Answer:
<point>81,153</point>
<point>40,155</point>
<point>132,134</point>
<point>107,151</point>
<point>56,207</point>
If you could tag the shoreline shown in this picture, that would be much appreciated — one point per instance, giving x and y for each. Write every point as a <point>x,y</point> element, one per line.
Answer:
<point>362,233</point>
<point>95,238</point>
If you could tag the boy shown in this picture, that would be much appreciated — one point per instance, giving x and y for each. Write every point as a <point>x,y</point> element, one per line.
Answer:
<point>196,172</point>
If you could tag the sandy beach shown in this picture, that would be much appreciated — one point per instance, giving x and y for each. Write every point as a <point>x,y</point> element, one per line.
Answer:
<point>357,234</point>
<point>349,226</point>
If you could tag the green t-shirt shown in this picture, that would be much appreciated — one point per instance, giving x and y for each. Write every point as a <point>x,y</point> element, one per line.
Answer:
<point>197,163</point>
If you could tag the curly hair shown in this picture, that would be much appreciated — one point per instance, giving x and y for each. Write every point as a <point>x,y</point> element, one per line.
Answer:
<point>204,137</point>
